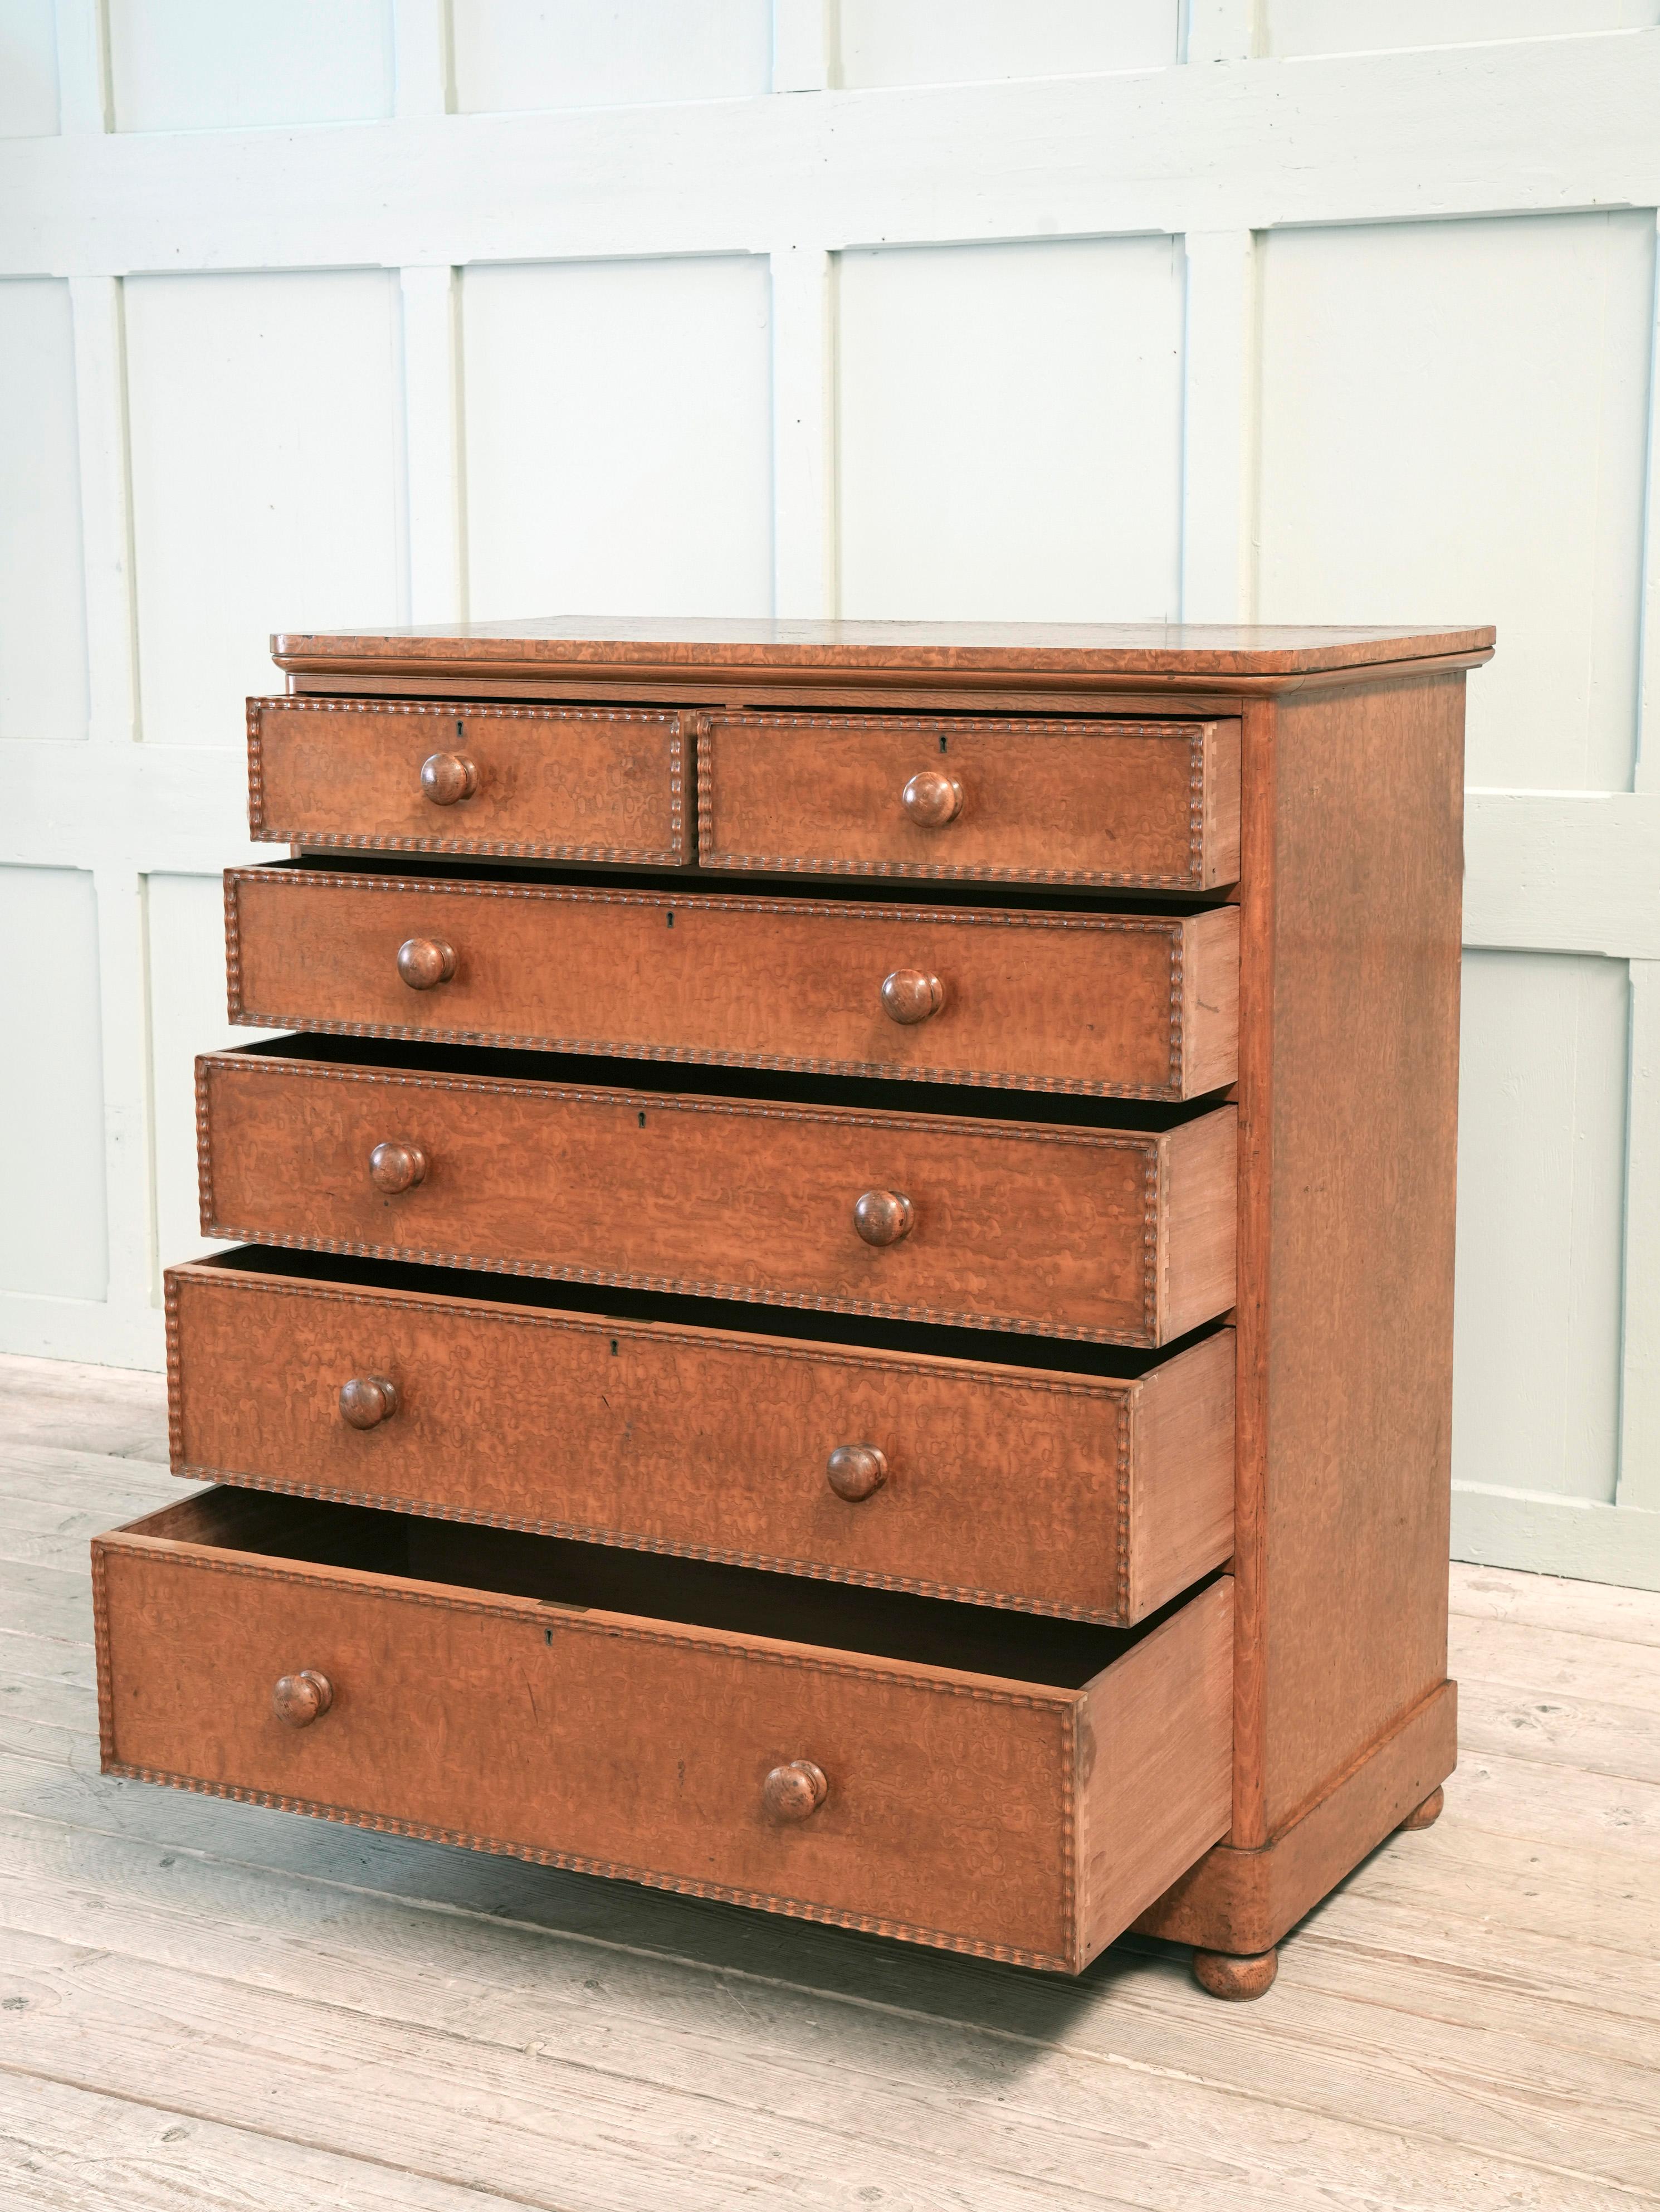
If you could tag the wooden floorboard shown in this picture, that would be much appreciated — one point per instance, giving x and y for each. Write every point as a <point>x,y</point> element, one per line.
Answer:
<point>209,2005</point>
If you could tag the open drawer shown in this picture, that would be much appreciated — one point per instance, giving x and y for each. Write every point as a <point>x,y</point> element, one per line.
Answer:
<point>1089,1483</point>
<point>1020,1788</point>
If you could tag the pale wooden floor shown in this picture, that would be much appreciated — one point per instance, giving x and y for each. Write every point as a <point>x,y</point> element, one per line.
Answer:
<point>208,2005</point>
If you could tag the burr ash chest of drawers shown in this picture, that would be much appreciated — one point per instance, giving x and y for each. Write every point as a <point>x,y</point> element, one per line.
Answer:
<point>841,1288</point>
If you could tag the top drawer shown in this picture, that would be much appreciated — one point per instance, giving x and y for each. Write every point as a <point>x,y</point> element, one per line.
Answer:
<point>550,783</point>
<point>1156,804</point>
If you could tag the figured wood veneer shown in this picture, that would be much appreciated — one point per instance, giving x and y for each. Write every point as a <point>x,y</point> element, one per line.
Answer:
<point>1081,1496</point>
<point>1000,1817</point>
<point>1131,1006</point>
<point>548,783</point>
<point>1155,804</point>
<point>1114,1237</point>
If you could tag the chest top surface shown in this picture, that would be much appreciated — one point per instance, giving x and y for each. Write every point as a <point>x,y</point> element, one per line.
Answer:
<point>863,651</point>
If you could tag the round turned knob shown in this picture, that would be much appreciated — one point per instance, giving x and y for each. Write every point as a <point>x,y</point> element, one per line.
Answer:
<point>856,1471</point>
<point>423,962</point>
<point>396,1167</point>
<point>883,1217</point>
<point>790,1793</point>
<point>908,995</point>
<point>367,1401</point>
<point>301,1698</point>
<point>932,799</point>
<point>447,777</point>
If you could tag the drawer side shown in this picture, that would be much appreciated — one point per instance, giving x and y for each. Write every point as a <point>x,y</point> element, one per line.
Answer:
<point>1155,1761</point>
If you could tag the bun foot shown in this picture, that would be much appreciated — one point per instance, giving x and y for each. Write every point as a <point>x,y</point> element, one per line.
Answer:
<point>1428,1813</point>
<point>1235,1978</point>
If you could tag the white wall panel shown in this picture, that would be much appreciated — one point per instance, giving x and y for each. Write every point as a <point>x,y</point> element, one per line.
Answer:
<point>218,65</point>
<point>1010,433</point>
<point>267,479</point>
<point>186,934</point>
<point>1346,27</point>
<point>618,437</point>
<point>966,41</point>
<point>28,69</point>
<point>43,635</point>
<point>1454,424</point>
<point>53,1236</point>
<point>601,53</point>
<point>1541,1183</point>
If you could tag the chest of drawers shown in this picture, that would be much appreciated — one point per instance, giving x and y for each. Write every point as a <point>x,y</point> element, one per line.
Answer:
<point>841,1294</point>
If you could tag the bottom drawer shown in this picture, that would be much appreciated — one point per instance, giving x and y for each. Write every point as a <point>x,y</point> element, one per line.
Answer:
<point>1020,1788</point>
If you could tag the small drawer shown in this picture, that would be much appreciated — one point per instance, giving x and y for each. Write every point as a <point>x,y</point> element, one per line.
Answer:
<point>1153,804</point>
<point>1015,1788</point>
<point>545,783</point>
<point>1091,1496</point>
<point>1108,1005</point>
<point>1115,1236</point>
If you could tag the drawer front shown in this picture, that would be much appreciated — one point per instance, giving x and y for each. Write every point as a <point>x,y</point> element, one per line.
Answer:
<point>957,1810</point>
<point>1057,1493</point>
<point>1053,1232</point>
<point>1156,804</point>
<point>549,783</point>
<point>1104,1004</point>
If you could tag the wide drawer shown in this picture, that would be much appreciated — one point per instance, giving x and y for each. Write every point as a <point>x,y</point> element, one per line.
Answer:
<point>1108,1005</point>
<point>1096,1497</point>
<point>573,783</point>
<point>1019,1791</point>
<point>1118,1237</point>
<point>1153,804</point>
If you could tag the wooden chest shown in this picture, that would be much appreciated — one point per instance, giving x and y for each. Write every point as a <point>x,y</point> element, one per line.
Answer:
<point>842,1288</point>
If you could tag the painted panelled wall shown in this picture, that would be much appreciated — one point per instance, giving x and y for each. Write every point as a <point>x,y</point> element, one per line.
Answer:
<point>319,313</point>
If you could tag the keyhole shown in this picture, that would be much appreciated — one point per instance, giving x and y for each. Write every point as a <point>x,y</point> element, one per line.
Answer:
<point>942,744</point>
<point>671,921</point>
<point>642,1121</point>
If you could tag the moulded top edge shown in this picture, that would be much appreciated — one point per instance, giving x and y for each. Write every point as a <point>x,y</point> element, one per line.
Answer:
<point>1082,649</point>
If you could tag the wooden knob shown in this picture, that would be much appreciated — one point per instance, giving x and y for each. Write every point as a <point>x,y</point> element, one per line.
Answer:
<point>395,1167</point>
<point>447,777</point>
<point>301,1698</point>
<point>368,1401</point>
<point>908,995</point>
<point>932,799</point>
<point>423,962</point>
<point>792,1792</point>
<point>856,1471</point>
<point>883,1217</point>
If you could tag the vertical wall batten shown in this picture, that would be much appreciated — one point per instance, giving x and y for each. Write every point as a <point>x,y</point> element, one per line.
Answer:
<point>83,67</point>
<point>803,45</point>
<point>803,434</point>
<point>100,392</point>
<point>123,1007</point>
<point>1218,447</point>
<point>1639,1397</point>
<point>1219,30</point>
<point>432,445</point>
<point>1640,1402</point>
<point>423,67</point>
